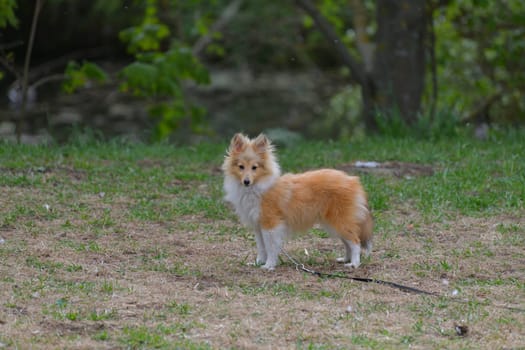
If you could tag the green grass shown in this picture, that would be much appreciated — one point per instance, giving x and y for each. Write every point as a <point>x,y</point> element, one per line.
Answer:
<point>159,338</point>
<point>471,177</point>
<point>131,246</point>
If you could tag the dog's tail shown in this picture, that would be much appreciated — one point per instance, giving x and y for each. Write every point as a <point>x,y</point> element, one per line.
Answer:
<point>366,233</point>
<point>367,246</point>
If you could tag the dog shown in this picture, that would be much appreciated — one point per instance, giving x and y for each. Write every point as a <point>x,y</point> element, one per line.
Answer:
<point>275,206</point>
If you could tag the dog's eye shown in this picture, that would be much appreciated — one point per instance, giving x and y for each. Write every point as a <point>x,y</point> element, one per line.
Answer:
<point>241,167</point>
<point>254,167</point>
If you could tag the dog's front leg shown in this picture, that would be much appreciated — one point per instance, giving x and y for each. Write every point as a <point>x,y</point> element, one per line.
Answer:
<point>261,250</point>
<point>273,241</point>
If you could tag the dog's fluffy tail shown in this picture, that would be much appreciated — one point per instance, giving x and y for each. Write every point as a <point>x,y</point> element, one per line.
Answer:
<point>367,246</point>
<point>366,234</point>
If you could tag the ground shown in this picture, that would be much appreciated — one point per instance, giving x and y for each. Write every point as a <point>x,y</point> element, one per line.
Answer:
<point>117,251</point>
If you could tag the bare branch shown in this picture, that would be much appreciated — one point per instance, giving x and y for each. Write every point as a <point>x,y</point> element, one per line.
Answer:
<point>59,62</point>
<point>330,34</point>
<point>433,63</point>
<point>48,79</point>
<point>226,16</point>
<point>25,78</point>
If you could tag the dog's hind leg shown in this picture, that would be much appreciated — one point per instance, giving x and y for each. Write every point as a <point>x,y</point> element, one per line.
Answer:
<point>273,241</point>
<point>352,254</point>
<point>352,249</point>
<point>348,252</point>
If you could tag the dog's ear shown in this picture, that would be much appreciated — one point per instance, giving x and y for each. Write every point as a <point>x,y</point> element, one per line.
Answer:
<point>262,143</point>
<point>238,143</point>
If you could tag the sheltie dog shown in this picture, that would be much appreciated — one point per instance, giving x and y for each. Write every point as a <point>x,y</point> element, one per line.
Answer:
<point>275,206</point>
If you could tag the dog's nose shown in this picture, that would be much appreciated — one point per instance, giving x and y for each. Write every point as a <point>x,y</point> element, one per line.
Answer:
<point>246,182</point>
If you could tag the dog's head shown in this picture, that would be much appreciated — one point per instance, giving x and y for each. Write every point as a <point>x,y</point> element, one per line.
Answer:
<point>250,160</point>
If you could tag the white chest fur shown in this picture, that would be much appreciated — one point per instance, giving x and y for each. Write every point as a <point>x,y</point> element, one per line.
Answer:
<point>246,200</point>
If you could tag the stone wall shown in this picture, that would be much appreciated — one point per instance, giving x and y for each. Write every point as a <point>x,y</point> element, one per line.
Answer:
<point>238,100</point>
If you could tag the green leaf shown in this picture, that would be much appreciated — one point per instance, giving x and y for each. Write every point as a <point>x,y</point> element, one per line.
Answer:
<point>148,35</point>
<point>80,76</point>
<point>141,78</point>
<point>159,75</point>
<point>308,22</point>
<point>7,13</point>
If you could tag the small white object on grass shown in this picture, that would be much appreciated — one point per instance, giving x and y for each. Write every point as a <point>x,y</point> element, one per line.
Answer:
<point>455,292</point>
<point>360,164</point>
<point>2,241</point>
<point>349,309</point>
<point>306,252</point>
<point>47,207</point>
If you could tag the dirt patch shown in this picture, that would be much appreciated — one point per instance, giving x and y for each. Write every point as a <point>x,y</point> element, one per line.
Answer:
<point>68,328</point>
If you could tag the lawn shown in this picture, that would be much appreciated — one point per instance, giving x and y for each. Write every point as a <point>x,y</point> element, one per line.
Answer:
<point>115,245</point>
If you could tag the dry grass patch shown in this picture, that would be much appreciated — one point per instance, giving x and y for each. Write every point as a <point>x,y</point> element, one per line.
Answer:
<point>190,282</point>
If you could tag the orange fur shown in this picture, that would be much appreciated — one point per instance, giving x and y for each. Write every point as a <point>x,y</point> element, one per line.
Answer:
<point>275,205</point>
<point>322,196</point>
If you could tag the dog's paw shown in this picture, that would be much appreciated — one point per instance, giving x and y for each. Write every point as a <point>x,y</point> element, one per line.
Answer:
<point>260,261</point>
<point>352,265</point>
<point>268,267</point>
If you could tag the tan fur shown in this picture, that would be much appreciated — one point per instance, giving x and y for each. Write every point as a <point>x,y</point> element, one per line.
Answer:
<point>276,205</point>
<point>322,196</point>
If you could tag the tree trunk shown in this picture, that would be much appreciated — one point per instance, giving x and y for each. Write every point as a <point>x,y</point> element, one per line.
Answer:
<point>399,69</point>
<point>394,78</point>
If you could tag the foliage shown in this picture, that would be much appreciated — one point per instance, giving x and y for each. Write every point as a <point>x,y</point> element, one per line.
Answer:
<point>442,125</point>
<point>265,36</point>
<point>79,76</point>
<point>149,34</point>
<point>341,118</point>
<point>161,75</point>
<point>480,50</point>
<point>7,18</point>
<point>156,74</point>
<point>7,13</point>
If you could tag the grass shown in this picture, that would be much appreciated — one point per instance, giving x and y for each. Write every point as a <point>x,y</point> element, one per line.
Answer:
<point>115,245</point>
